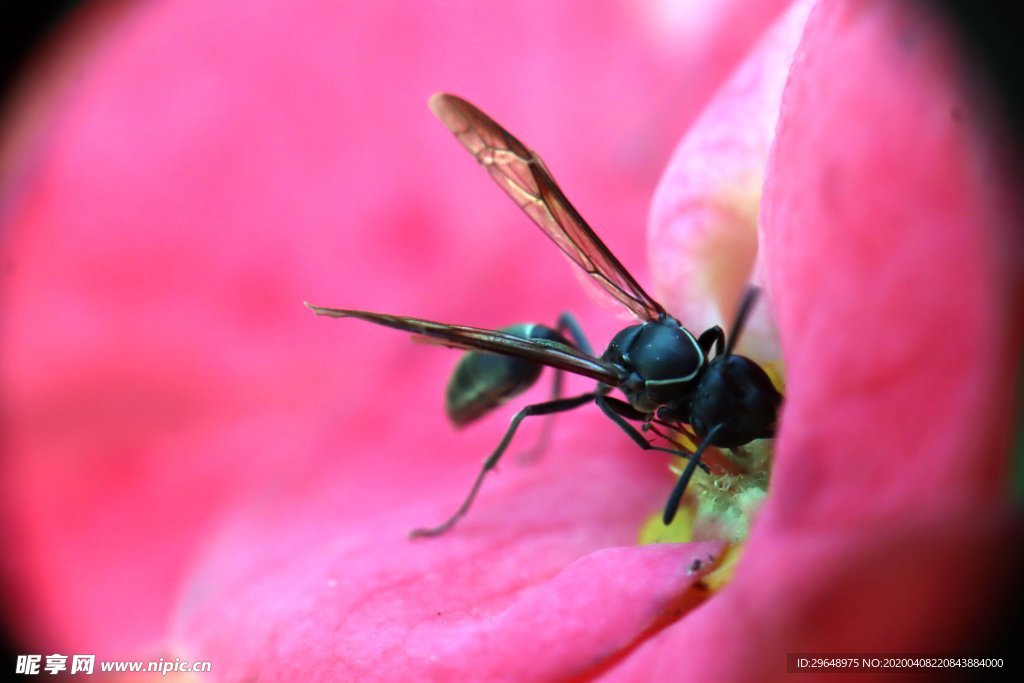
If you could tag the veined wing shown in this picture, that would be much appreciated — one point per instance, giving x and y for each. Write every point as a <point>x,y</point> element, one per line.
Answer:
<point>524,177</point>
<point>540,351</point>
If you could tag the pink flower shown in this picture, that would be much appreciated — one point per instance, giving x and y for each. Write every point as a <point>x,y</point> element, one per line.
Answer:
<point>886,223</point>
<point>201,467</point>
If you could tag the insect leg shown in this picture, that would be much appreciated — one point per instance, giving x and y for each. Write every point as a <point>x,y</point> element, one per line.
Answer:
<point>546,408</point>
<point>713,337</point>
<point>672,506</point>
<point>619,411</point>
<point>622,409</point>
<point>567,324</point>
<point>673,433</point>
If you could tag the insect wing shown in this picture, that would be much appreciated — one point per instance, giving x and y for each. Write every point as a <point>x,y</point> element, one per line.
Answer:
<point>539,351</point>
<point>524,177</point>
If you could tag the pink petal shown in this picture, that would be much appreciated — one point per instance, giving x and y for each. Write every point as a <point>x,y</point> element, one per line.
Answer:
<point>888,232</point>
<point>531,571</point>
<point>703,231</point>
<point>203,171</point>
<point>918,589</point>
<point>885,217</point>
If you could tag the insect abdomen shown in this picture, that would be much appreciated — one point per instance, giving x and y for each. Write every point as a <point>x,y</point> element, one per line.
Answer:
<point>483,381</point>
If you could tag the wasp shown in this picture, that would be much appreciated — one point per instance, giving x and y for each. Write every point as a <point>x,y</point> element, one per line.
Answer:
<point>669,377</point>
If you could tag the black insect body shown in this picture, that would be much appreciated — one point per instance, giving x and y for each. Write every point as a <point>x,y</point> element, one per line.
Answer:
<point>483,381</point>
<point>734,391</point>
<point>663,361</point>
<point>735,402</point>
<point>667,375</point>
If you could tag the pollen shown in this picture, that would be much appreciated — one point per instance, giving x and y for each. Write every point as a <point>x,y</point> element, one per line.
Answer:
<point>679,531</point>
<point>777,374</point>
<point>720,504</point>
<point>716,572</point>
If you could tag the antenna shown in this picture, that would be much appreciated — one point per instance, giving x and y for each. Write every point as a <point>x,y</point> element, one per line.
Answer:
<point>746,305</point>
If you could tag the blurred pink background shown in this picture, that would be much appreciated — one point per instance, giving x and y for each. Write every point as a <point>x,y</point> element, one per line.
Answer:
<point>182,175</point>
<point>194,463</point>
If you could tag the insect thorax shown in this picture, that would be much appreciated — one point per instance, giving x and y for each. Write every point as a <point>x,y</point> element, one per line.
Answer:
<point>662,363</point>
<point>736,392</point>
